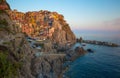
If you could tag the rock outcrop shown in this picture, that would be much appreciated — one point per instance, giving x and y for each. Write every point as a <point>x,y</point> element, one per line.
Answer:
<point>17,49</point>
<point>44,25</point>
<point>74,54</point>
<point>4,5</point>
<point>21,56</point>
<point>48,67</point>
<point>17,57</point>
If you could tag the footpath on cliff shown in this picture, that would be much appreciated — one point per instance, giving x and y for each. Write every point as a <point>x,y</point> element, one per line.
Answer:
<point>34,44</point>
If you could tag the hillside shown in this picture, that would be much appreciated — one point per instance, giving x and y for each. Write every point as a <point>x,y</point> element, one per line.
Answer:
<point>14,49</point>
<point>4,5</point>
<point>18,59</point>
<point>43,25</point>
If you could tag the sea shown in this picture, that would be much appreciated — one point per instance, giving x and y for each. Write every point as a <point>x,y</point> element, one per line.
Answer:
<point>103,63</point>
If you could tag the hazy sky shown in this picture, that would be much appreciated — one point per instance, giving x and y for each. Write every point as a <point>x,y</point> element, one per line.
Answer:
<point>82,15</point>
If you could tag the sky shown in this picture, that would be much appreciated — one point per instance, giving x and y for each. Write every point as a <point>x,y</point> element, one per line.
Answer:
<point>82,15</point>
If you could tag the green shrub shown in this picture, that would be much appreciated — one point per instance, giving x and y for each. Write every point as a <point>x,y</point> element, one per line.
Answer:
<point>1,11</point>
<point>1,1</point>
<point>8,43</point>
<point>4,22</point>
<point>42,45</point>
<point>4,25</point>
<point>8,69</point>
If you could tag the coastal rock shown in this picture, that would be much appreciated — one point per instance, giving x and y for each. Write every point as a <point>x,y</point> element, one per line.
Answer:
<point>19,53</point>
<point>44,25</point>
<point>18,49</point>
<point>103,43</point>
<point>22,54</point>
<point>73,54</point>
<point>90,50</point>
<point>49,67</point>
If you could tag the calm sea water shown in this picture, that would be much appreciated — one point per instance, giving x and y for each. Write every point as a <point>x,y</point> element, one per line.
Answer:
<point>103,63</point>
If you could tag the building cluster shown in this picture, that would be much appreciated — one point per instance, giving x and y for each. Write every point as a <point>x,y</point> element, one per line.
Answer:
<point>40,23</point>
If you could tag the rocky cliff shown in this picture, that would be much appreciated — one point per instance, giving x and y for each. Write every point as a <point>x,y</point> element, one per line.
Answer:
<point>14,49</point>
<point>4,5</point>
<point>49,66</point>
<point>18,59</point>
<point>44,25</point>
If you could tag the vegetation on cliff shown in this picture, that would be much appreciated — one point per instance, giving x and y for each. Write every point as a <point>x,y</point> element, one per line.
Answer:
<point>4,25</point>
<point>14,50</point>
<point>8,68</point>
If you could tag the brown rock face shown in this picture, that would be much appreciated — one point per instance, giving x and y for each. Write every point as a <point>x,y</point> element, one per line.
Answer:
<point>44,25</point>
<point>21,53</point>
<point>18,49</point>
<point>73,54</point>
<point>4,5</point>
<point>47,67</point>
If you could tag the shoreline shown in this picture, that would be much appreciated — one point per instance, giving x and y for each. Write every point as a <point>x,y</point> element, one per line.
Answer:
<point>50,52</point>
<point>95,59</point>
<point>95,42</point>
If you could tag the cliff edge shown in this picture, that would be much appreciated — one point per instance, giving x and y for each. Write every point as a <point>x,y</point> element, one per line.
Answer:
<point>18,59</point>
<point>4,5</point>
<point>44,25</point>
